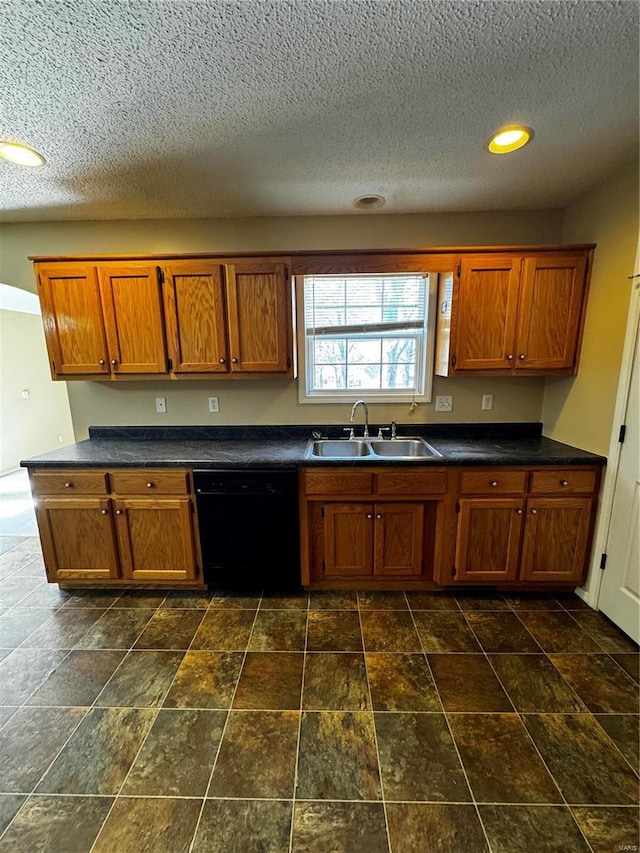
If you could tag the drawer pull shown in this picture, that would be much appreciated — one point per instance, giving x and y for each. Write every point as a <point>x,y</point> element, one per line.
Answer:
<point>510,357</point>
<point>378,515</point>
<point>118,512</point>
<point>113,362</point>
<point>522,356</point>
<point>103,512</point>
<point>564,482</point>
<point>234,360</point>
<point>493,483</point>
<point>518,512</point>
<point>68,485</point>
<point>534,512</point>
<point>101,362</point>
<point>369,515</point>
<point>150,485</point>
<point>221,361</point>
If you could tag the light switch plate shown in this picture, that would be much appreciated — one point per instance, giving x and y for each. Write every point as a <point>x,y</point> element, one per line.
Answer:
<point>444,404</point>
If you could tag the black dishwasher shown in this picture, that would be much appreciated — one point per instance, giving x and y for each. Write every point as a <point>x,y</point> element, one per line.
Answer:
<point>249,531</point>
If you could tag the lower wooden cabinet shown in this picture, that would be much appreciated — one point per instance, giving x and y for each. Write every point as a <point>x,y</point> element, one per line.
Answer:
<point>373,539</point>
<point>390,540</point>
<point>513,526</point>
<point>542,536</point>
<point>136,527</point>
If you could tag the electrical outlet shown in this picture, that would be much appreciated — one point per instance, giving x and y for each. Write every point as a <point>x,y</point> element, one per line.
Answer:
<point>161,405</point>
<point>444,404</point>
<point>214,404</point>
<point>487,402</point>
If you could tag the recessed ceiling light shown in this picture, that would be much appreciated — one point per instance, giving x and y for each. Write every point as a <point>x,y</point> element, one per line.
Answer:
<point>20,154</point>
<point>509,139</point>
<point>368,202</point>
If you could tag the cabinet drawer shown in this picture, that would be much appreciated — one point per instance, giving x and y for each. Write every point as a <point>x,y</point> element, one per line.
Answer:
<point>411,482</point>
<point>335,483</point>
<point>150,481</point>
<point>562,481</point>
<point>499,481</point>
<point>68,482</point>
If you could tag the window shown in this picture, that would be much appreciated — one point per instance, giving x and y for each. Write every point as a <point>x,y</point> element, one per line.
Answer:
<point>367,334</point>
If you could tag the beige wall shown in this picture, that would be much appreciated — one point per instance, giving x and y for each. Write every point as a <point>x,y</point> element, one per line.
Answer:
<point>276,402</point>
<point>33,425</point>
<point>579,410</point>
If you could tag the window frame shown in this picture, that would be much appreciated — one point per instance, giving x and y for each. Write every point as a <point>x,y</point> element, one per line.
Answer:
<point>391,396</point>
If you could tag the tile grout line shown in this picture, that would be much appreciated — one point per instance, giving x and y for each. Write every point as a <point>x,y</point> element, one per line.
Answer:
<point>446,720</point>
<point>297,765</point>
<point>373,722</point>
<point>226,722</point>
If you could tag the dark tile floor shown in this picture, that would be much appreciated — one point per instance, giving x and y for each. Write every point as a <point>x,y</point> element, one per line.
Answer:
<point>330,722</point>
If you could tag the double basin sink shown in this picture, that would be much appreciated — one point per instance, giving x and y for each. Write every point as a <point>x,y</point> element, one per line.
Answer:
<point>373,448</point>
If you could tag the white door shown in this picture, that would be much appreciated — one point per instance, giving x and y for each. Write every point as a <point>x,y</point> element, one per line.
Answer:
<point>620,590</point>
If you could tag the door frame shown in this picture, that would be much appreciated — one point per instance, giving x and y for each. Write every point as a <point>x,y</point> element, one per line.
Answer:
<point>590,592</point>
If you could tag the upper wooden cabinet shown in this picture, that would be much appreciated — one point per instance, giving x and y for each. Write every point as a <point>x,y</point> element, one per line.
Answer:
<point>102,321</point>
<point>513,314</point>
<point>180,318</point>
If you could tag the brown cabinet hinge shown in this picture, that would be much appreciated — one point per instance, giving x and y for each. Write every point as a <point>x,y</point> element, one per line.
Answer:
<point>459,270</point>
<point>170,363</point>
<point>457,506</point>
<point>454,571</point>
<point>288,361</point>
<point>160,272</point>
<point>286,273</point>
<point>454,361</point>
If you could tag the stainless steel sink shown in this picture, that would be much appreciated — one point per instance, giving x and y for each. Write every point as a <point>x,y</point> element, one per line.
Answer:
<point>373,448</point>
<point>338,448</point>
<point>403,448</point>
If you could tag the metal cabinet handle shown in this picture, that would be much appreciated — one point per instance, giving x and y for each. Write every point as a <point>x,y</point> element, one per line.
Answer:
<point>522,356</point>
<point>378,515</point>
<point>510,357</point>
<point>564,482</point>
<point>103,512</point>
<point>118,512</point>
<point>221,361</point>
<point>518,512</point>
<point>369,515</point>
<point>150,485</point>
<point>534,512</point>
<point>493,483</point>
<point>101,362</point>
<point>114,362</point>
<point>234,361</point>
<point>68,485</point>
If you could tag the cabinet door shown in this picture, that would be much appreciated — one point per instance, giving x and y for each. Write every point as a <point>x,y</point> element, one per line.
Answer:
<point>348,535</point>
<point>398,539</point>
<point>156,538</point>
<point>485,312</point>
<point>555,539</point>
<point>72,317</point>
<point>488,542</point>
<point>549,313</point>
<point>132,304</point>
<point>195,316</point>
<point>260,321</point>
<point>78,538</point>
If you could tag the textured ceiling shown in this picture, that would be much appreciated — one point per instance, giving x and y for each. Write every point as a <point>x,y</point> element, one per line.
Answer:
<point>270,107</point>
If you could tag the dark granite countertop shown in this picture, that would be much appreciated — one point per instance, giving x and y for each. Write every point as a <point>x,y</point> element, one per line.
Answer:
<point>243,447</point>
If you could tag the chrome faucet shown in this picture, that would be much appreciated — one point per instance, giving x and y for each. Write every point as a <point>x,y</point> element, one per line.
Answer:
<point>366,416</point>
